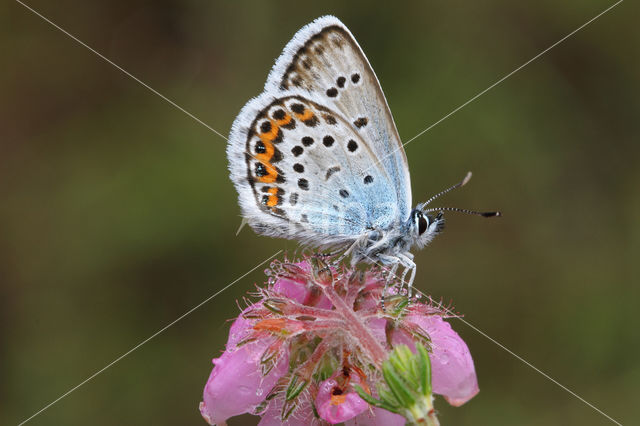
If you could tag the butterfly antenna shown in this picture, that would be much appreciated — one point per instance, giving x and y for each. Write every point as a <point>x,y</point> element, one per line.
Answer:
<point>464,181</point>
<point>466,211</point>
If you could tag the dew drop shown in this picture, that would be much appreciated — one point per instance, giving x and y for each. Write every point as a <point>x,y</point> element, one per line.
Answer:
<point>244,390</point>
<point>444,358</point>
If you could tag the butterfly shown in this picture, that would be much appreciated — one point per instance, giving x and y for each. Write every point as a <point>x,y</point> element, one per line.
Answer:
<point>317,157</point>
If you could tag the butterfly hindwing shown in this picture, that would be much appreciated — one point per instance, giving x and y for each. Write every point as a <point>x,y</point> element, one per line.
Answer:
<point>306,172</point>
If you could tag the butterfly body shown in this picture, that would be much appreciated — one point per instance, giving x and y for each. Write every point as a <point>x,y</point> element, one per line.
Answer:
<point>317,157</point>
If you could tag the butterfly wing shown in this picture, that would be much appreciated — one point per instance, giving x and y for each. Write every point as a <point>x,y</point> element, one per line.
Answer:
<point>325,60</point>
<point>312,166</point>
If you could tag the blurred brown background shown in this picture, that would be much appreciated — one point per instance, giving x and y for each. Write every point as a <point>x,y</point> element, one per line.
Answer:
<point>117,214</point>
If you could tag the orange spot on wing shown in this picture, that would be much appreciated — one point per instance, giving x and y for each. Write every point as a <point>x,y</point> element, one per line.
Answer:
<point>273,198</point>
<point>286,120</point>
<point>271,176</point>
<point>271,134</point>
<point>266,156</point>
<point>306,115</point>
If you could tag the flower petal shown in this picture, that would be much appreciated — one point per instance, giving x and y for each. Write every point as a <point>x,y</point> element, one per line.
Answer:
<point>240,327</point>
<point>236,384</point>
<point>303,416</point>
<point>452,369</point>
<point>302,291</point>
<point>337,408</point>
<point>377,417</point>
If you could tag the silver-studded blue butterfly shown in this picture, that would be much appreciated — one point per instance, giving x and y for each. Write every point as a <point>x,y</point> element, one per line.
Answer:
<point>317,157</point>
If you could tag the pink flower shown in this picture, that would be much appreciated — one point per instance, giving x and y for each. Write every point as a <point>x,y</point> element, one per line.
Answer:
<point>377,417</point>
<point>239,369</point>
<point>337,402</point>
<point>314,335</point>
<point>452,369</point>
<point>302,417</point>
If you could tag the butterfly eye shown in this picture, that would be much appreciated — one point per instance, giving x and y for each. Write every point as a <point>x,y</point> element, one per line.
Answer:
<point>423,224</point>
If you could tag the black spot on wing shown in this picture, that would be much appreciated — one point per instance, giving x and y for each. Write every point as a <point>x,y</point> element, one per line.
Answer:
<point>340,82</point>
<point>361,122</point>
<point>352,145</point>
<point>303,184</point>
<point>330,119</point>
<point>279,114</point>
<point>332,92</point>
<point>297,150</point>
<point>311,122</point>
<point>368,179</point>
<point>260,148</point>
<point>344,193</point>
<point>265,127</point>
<point>328,141</point>
<point>261,170</point>
<point>355,77</point>
<point>307,141</point>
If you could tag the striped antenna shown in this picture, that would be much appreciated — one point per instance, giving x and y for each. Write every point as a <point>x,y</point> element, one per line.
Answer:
<point>467,211</point>
<point>464,181</point>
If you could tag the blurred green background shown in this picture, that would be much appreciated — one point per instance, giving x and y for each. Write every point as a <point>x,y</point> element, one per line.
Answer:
<point>117,214</point>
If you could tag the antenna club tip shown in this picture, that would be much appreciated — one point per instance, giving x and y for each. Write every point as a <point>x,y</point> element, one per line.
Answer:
<point>491,214</point>
<point>466,179</point>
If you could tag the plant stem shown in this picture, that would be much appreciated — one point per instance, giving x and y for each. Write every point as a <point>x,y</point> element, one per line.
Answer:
<point>356,327</point>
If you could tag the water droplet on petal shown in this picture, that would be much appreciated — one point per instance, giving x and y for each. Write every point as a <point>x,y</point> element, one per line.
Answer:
<point>244,390</point>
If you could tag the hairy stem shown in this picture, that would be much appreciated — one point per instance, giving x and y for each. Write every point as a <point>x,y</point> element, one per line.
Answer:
<point>356,327</point>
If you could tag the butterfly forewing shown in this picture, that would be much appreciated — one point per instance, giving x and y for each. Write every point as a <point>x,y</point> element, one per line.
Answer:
<point>325,60</point>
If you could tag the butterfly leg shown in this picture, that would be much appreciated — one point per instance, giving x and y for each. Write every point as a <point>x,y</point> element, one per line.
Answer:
<point>407,261</point>
<point>409,265</point>
<point>393,263</point>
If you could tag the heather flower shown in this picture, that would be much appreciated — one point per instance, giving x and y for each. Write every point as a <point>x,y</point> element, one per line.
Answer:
<point>336,400</point>
<point>320,347</point>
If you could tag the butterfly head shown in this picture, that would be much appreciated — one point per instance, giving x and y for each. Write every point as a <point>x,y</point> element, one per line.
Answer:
<point>424,227</point>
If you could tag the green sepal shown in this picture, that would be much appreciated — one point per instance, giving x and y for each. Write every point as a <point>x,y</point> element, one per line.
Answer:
<point>375,402</point>
<point>296,386</point>
<point>397,385</point>
<point>423,365</point>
